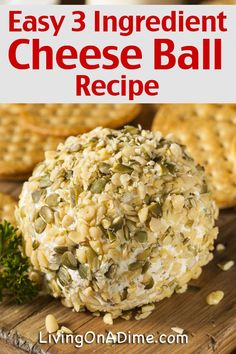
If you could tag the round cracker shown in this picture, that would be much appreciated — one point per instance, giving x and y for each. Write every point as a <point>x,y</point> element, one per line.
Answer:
<point>20,149</point>
<point>7,208</point>
<point>208,131</point>
<point>72,119</point>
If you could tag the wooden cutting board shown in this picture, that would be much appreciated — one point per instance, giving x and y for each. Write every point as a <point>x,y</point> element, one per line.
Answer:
<point>211,329</point>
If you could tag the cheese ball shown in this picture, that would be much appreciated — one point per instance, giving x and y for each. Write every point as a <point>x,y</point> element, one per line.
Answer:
<point>117,219</point>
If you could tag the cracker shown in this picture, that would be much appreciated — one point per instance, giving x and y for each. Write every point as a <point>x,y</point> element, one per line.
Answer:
<point>7,208</point>
<point>15,177</point>
<point>209,133</point>
<point>72,119</point>
<point>20,149</point>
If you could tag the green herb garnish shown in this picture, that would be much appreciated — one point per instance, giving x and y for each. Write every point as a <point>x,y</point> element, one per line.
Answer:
<point>14,276</point>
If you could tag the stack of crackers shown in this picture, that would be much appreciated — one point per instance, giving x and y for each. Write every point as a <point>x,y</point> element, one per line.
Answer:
<point>209,132</point>
<point>29,130</point>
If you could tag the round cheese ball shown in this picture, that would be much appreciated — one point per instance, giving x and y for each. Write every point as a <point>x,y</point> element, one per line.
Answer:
<point>117,219</point>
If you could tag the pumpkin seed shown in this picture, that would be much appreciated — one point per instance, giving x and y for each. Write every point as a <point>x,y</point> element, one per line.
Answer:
<point>111,271</point>
<point>63,276</point>
<point>111,235</point>
<point>130,129</point>
<point>149,284</point>
<point>204,188</point>
<point>131,226</point>
<point>143,255</point>
<point>93,140</point>
<point>73,196</point>
<point>111,136</point>
<point>52,200</point>
<point>60,250</point>
<point>126,233</point>
<point>36,195</point>
<point>155,210</point>
<point>104,168</point>
<point>35,244</point>
<point>68,175</point>
<point>45,182</point>
<point>83,271</point>
<point>39,225</point>
<point>124,294</point>
<point>190,223</point>
<point>46,214</point>
<point>168,168</point>
<point>98,186</point>
<point>140,236</point>
<point>146,267</point>
<point>117,224</point>
<point>69,260</point>
<point>120,168</point>
<point>135,265</point>
<point>147,199</point>
<point>92,258</point>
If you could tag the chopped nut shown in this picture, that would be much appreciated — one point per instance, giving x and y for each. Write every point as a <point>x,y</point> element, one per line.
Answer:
<point>67,221</point>
<point>66,330</point>
<point>51,324</point>
<point>220,247</point>
<point>215,297</point>
<point>126,315</point>
<point>177,330</point>
<point>142,316</point>
<point>148,308</point>
<point>143,214</point>
<point>96,314</point>
<point>76,237</point>
<point>226,265</point>
<point>107,319</point>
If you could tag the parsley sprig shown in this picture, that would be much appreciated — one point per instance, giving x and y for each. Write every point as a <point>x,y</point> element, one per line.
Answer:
<point>14,277</point>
